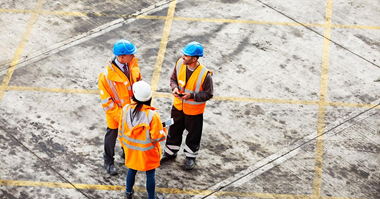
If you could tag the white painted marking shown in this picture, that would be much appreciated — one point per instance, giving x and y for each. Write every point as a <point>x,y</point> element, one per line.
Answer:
<point>85,36</point>
<point>284,154</point>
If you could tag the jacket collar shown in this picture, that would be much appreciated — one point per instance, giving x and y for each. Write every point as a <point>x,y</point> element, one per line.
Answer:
<point>144,106</point>
<point>113,72</point>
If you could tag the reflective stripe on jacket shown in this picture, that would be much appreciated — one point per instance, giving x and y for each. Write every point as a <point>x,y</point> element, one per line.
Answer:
<point>140,137</point>
<point>193,85</point>
<point>115,90</point>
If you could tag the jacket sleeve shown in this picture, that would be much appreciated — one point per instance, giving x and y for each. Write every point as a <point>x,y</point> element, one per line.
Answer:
<point>120,128</point>
<point>139,77</point>
<point>136,70</point>
<point>111,108</point>
<point>208,90</point>
<point>173,78</point>
<point>157,131</point>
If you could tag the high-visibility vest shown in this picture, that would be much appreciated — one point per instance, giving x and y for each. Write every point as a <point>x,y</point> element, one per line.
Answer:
<point>140,138</point>
<point>115,90</point>
<point>193,85</point>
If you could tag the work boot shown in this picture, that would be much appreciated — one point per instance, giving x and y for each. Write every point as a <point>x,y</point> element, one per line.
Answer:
<point>129,195</point>
<point>189,164</point>
<point>111,169</point>
<point>166,157</point>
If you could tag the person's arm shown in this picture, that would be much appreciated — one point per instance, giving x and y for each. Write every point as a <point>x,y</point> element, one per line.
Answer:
<point>111,108</point>
<point>173,78</point>
<point>120,128</point>
<point>208,90</point>
<point>173,82</point>
<point>157,132</point>
<point>134,71</point>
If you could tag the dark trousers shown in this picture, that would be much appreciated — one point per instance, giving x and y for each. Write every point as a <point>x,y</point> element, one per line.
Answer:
<point>109,145</point>
<point>150,182</point>
<point>193,124</point>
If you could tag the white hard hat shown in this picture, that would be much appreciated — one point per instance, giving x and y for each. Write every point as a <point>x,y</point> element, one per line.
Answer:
<point>142,91</point>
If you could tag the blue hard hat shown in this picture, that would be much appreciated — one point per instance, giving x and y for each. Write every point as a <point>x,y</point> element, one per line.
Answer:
<point>124,47</point>
<point>193,49</point>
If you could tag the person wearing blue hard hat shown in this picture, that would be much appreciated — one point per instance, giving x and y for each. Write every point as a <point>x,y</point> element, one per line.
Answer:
<point>115,90</point>
<point>192,86</point>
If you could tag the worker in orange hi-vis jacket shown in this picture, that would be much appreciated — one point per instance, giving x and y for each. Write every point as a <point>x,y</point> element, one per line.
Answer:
<point>115,89</point>
<point>141,130</point>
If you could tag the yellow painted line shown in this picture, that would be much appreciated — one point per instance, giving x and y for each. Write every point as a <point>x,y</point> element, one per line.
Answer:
<point>264,100</point>
<point>163,95</point>
<point>52,90</point>
<point>278,101</point>
<point>35,184</point>
<point>162,49</point>
<point>80,14</point>
<point>84,14</point>
<point>261,195</point>
<point>152,17</point>
<point>158,189</point>
<point>356,27</point>
<point>76,14</point>
<point>215,98</point>
<point>60,185</point>
<point>248,99</point>
<point>16,11</point>
<point>215,20</point>
<point>20,48</point>
<point>336,197</point>
<point>352,105</point>
<point>274,195</point>
<point>99,187</point>
<point>244,21</point>
<point>183,191</point>
<point>66,13</point>
<point>317,180</point>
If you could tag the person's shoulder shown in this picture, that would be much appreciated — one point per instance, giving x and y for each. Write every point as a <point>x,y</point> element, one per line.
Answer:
<point>178,60</point>
<point>155,113</point>
<point>103,73</point>
<point>151,109</point>
<point>204,67</point>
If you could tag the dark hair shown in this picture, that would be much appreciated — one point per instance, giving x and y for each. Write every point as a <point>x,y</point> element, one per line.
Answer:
<point>139,105</point>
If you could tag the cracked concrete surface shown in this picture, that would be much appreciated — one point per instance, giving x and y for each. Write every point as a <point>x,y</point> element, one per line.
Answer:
<point>295,112</point>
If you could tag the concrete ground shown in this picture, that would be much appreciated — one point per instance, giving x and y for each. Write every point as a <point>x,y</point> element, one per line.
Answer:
<point>295,113</point>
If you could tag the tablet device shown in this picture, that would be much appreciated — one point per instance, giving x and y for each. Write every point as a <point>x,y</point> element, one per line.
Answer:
<point>168,122</point>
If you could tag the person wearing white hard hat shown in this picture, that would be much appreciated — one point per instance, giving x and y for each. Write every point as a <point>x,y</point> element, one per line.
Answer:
<point>192,86</point>
<point>115,90</point>
<point>142,131</point>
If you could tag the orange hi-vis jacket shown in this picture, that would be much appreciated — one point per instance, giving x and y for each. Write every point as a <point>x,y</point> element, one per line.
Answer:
<point>193,85</point>
<point>140,137</point>
<point>115,90</point>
